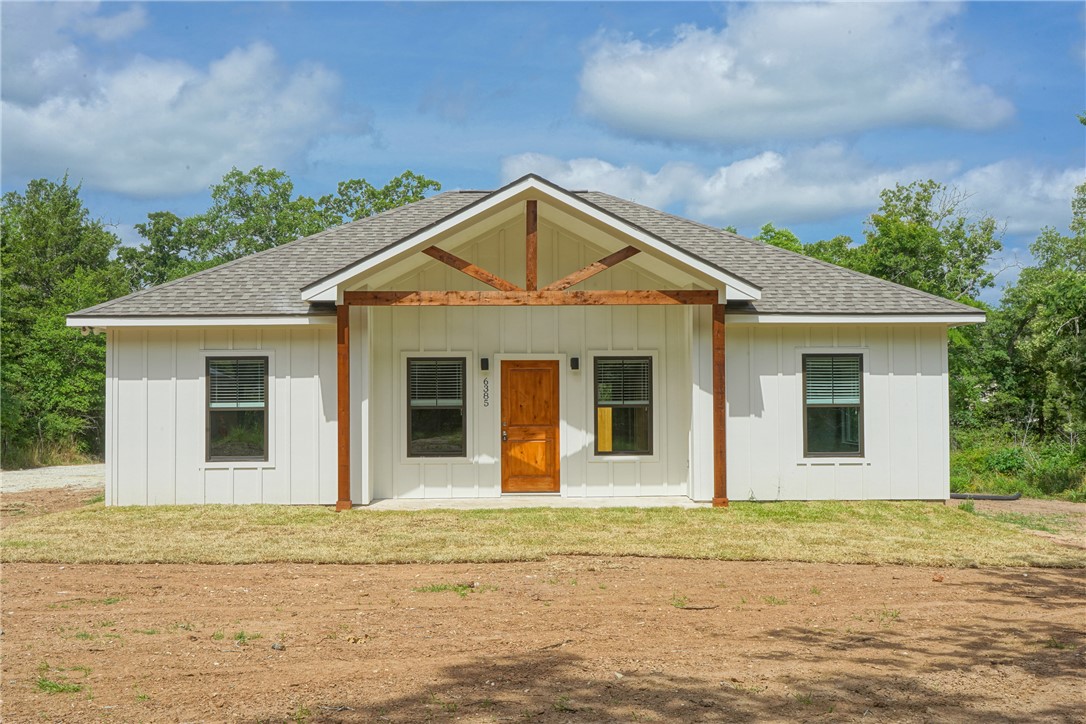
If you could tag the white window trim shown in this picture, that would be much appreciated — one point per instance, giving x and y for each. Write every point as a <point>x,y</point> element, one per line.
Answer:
<point>802,459</point>
<point>400,403</point>
<point>590,413</point>
<point>271,413</point>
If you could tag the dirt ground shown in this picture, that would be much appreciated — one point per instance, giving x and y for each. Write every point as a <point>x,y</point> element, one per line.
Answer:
<point>566,639</point>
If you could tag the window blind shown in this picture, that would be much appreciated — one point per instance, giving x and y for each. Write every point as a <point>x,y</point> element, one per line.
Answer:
<point>237,383</point>
<point>435,382</point>
<point>623,381</point>
<point>833,380</point>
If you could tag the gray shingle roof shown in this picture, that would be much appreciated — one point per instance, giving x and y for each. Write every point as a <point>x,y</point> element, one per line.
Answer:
<point>270,283</point>
<point>791,283</point>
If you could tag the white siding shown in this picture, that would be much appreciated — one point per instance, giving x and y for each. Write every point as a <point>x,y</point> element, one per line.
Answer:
<point>155,396</point>
<point>546,332</point>
<point>156,417</point>
<point>906,435</point>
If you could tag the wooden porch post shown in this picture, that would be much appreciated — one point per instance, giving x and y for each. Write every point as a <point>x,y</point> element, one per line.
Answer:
<point>343,404</point>
<point>720,413</point>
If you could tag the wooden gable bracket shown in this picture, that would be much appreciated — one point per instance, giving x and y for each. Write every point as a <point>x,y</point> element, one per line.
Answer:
<point>531,245</point>
<point>591,270</point>
<point>471,270</point>
<point>531,256</point>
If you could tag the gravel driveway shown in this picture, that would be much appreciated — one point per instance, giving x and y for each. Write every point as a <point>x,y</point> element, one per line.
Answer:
<point>61,476</point>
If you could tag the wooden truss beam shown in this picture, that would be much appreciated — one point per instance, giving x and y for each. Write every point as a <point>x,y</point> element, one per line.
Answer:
<point>471,270</point>
<point>541,298</point>
<point>531,245</point>
<point>591,270</point>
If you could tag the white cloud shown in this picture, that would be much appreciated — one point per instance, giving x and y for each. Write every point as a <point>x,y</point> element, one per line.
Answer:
<point>791,70</point>
<point>39,57</point>
<point>1024,197</point>
<point>152,126</point>
<point>817,183</point>
<point>821,182</point>
<point>115,27</point>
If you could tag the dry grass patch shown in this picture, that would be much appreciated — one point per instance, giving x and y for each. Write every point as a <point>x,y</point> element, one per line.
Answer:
<point>910,533</point>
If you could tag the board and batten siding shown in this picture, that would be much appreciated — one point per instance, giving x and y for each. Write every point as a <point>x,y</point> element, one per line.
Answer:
<point>905,425</point>
<point>529,333</point>
<point>156,395</point>
<point>156,417</point>
<point>394,334</point>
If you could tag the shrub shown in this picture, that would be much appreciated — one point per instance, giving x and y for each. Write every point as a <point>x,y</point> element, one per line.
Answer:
<point>1057,468</point>
<point>1006,460</point>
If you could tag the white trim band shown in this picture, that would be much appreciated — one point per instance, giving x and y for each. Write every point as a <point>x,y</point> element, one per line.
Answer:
<point>101,322</point>
<point>947,319</point>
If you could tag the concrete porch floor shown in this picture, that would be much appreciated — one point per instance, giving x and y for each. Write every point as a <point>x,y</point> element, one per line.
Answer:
<point>531,501</point>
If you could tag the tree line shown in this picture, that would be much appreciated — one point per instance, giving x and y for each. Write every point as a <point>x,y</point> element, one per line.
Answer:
<point>55,258</point>
<point>1018,383</point>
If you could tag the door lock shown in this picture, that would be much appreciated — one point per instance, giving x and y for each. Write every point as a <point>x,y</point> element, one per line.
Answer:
<point>505,436</point>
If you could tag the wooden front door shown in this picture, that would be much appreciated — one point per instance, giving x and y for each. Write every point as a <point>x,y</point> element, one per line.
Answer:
<point>530,426</point>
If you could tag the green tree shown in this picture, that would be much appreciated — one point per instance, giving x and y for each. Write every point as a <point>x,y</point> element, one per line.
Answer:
<point>252,211</point>
<point>783,238</point>
<point>54,258</point>
<point>172,251</point>
<point>358,198</point>
<point>1039,334</point>
<point>923,238</point>
<point>838,250</point>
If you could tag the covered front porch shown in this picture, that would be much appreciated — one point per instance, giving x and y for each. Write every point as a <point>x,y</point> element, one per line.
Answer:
<point>556,329</point>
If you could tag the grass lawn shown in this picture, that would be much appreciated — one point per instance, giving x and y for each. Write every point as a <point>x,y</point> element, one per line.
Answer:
<point>910,533</point>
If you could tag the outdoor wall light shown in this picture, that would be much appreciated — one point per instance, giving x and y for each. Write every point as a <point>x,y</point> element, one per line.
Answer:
<point>484,363</point>
<point>575,363</point>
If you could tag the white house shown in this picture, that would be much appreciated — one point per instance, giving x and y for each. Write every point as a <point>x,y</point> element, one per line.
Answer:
<point>529,340</point>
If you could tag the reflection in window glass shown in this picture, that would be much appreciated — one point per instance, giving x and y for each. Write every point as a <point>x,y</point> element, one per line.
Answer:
<point>623,396</point>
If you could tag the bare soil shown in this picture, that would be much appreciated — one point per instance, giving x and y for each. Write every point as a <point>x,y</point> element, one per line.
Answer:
<point>566,639</point>
<point>32,503</point>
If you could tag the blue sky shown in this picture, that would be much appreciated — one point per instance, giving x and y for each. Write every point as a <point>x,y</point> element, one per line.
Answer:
<point>797,114</point>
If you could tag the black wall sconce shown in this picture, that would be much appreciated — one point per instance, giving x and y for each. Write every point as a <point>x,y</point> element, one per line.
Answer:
<point>484,363</point>
<point>575,363</point>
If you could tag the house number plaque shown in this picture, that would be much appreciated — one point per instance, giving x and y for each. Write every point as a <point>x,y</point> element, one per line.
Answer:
<point>486,392</point>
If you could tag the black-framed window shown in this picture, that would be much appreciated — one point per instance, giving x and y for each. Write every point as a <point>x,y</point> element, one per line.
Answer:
<point>237,408</point>
<point>623,402</point>
<point>436,407</point>
<point>833,405</point>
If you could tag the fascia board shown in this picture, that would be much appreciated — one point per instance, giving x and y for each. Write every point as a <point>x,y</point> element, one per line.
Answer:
<point>262,321</point>
<point>947,319</point>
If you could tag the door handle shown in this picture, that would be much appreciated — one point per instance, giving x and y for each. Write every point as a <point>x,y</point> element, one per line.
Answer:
<point>505,436</point>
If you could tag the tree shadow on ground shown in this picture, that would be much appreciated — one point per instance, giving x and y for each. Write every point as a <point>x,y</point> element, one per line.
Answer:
<point>555,686</point>
<point>878,667</point>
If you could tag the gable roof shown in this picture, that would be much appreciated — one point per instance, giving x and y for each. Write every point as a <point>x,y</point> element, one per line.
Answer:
<point>535,187</point>
<point>270,283</point>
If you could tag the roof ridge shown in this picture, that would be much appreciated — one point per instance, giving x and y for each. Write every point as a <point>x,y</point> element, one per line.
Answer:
<point>219,267</point>
<point>778,249</point>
